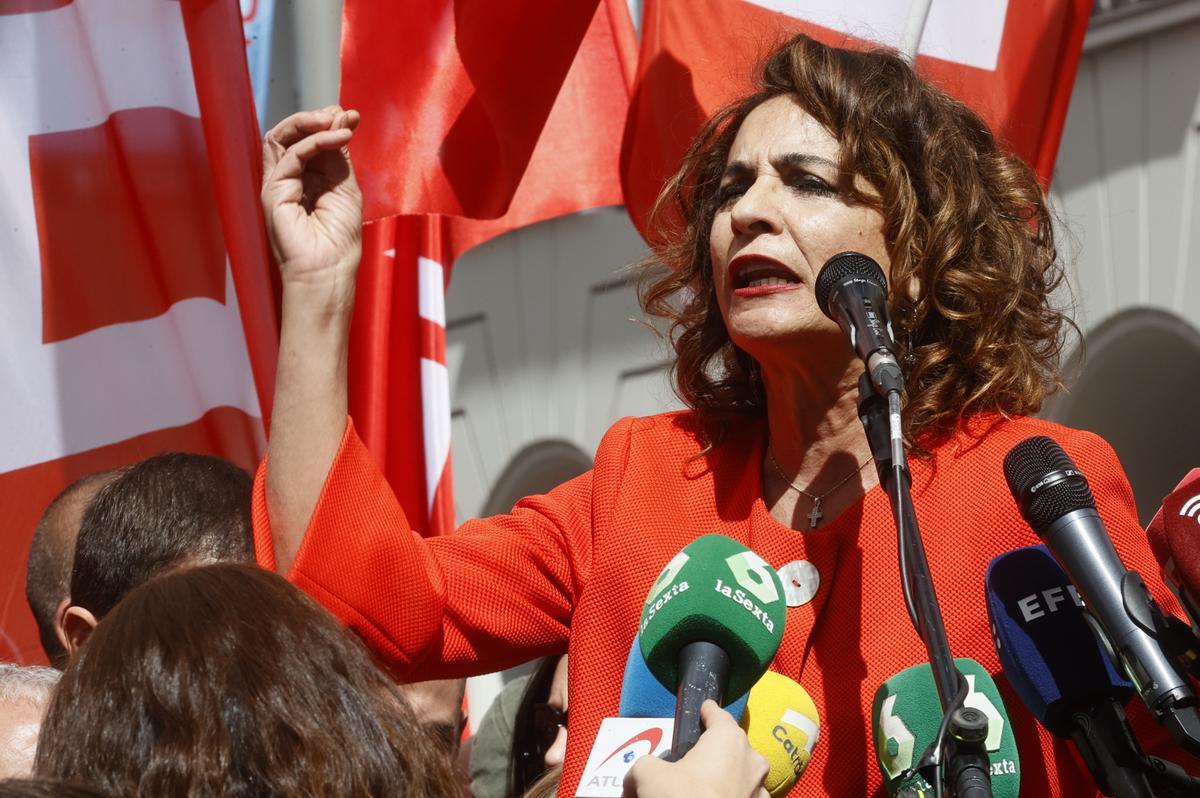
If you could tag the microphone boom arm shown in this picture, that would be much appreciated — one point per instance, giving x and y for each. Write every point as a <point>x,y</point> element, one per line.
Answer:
<point>964,752</point>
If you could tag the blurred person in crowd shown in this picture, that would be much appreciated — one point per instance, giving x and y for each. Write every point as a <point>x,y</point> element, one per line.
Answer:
<point>169,510</point>
<point>835,150</point>
<point>25,692</point>
<point>523,735</point>
<point>438,705</point>
<point>51,553</point>
<point>223,679</point>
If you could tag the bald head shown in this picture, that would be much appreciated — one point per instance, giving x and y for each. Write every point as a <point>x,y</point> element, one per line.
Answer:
<point>51,553</point>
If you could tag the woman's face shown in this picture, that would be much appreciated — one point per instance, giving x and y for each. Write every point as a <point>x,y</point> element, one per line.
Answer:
<point>781,217</point>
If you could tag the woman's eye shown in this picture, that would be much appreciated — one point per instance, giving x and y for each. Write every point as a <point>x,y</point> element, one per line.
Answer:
<point>729,192</point>
<point>811,184</point>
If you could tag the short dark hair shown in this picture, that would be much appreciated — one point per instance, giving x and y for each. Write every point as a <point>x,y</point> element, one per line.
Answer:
<point>224,679</point>
<point>51,553</point>
<point>169,510</point>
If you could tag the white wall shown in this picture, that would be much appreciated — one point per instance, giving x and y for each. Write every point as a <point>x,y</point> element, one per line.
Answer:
<point>1126,189</point>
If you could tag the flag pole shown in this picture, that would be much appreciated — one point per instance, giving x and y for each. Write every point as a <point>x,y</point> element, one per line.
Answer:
<point>918,15</point>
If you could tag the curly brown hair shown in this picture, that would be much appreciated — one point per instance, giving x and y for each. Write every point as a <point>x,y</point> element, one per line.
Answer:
<point>966,224</point>
<point>225,679</point>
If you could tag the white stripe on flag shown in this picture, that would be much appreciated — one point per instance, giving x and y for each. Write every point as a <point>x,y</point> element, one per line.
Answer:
<point>70,69</point>
<point>431,291</point>
<point>963,31</point>
<point>435,418</point>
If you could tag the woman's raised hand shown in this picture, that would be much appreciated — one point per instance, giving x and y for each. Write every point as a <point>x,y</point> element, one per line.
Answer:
<point>311,201</point>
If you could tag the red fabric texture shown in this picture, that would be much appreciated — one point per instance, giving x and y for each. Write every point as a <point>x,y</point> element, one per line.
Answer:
<point>467,103</point>
<point>569,570</point>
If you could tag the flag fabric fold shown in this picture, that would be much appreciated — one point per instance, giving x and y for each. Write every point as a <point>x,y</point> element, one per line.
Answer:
<point>135,305</point>
<point>428,202</point>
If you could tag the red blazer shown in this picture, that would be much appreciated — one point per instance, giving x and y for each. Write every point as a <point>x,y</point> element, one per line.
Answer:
<point>570,570</point>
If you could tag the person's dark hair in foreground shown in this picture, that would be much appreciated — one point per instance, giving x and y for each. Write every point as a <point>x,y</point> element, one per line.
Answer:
<point>167,510</point>
<point>225,680</point>
<point>47,788</point>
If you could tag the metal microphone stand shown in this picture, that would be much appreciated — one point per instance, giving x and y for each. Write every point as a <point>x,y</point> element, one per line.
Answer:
<point>959,746</point>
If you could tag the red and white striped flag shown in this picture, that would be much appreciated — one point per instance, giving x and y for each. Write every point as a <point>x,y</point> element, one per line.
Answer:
<point>135,300</point>
<point>399,384</point>
<point>1013,62</point>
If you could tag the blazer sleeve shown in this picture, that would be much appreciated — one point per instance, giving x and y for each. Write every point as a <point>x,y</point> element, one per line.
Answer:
<point>496,592</point>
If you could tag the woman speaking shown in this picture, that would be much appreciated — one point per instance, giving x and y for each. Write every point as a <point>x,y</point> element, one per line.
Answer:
<point>836,151</point>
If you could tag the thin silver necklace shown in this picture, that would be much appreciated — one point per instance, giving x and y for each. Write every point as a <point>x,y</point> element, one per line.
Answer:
<point>814,515</point>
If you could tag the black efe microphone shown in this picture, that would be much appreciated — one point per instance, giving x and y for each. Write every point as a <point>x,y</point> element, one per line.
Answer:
<point>852,290</point>
<point>1055,500</point>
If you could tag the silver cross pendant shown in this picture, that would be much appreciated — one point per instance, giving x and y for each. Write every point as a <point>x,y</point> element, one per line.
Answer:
<point>815,515</point>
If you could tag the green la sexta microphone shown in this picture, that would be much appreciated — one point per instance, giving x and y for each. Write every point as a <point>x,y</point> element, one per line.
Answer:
<point>906,715</point>
<point>710,627</point>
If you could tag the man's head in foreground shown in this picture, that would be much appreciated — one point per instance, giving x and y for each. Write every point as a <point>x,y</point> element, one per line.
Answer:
<point>169,511</point>
<point>51,553</point>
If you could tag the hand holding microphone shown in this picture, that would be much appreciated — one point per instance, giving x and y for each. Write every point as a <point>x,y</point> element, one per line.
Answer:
<point>722,764</point>
<point>643,696</point>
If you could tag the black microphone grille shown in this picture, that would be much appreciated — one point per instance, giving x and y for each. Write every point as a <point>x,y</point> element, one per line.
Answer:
<point>1045,482</point>
<point>841,266</point>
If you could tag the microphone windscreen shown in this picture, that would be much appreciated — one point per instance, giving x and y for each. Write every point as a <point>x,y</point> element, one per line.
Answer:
<point>1046,648</point>
<point>842,267</point>
<point>1181,524</point>
<point>643,696</point>
<point>783,725</point>
<point>715,591</point>
<point>1045,482</point>
<point>907,713</point>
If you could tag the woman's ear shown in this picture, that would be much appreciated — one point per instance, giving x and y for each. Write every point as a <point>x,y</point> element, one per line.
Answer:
<point>77,626</point>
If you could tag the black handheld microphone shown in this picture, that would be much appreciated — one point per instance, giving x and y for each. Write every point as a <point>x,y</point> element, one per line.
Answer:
<point>1058,668</point>
<point>1055,500</point>
<point>852,290</point>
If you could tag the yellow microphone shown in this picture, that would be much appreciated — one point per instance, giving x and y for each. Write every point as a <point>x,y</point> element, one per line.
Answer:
<point>782,723</point>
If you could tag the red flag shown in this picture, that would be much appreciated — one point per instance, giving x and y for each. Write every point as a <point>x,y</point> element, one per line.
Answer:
<point>455,96</point>
<point>399,385</point>
<point>1014,63</point>
<point>135,309</point>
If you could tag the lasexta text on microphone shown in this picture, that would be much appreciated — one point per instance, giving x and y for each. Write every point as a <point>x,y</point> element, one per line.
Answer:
<point>711,624</point>
<point>709,628</point>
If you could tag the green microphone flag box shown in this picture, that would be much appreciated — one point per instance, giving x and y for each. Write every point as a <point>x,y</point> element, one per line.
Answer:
<point>906,715</point>
<point>717,591</point>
